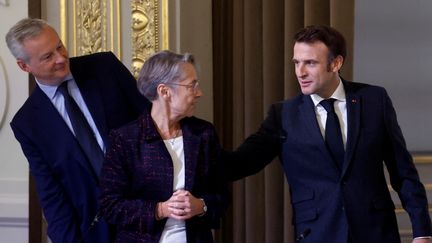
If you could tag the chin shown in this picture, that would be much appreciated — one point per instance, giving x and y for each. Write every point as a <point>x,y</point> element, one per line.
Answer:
<point>189,114</point>
<point>306,92</point>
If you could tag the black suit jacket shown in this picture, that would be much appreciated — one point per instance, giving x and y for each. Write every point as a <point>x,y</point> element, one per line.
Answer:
<point>330,200</point>
<point>66,183</point>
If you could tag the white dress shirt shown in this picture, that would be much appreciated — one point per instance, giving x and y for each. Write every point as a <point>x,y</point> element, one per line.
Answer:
<point>175,230</point>
<point>340,110</point>
<point>58,101</point>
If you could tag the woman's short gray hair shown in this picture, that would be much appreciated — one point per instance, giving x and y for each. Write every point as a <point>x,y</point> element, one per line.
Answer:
<point>24,29</point>
<point>163,67</point>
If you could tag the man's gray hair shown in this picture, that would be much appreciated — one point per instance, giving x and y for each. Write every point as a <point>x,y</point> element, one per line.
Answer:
<point>163,67</point>
<point>21,31</point>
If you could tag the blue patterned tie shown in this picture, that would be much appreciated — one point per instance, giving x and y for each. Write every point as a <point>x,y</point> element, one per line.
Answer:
<point>83,132</point>
<point>333,135</point>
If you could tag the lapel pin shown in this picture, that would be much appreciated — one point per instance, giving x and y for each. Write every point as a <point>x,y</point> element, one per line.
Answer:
<point>353,101</point>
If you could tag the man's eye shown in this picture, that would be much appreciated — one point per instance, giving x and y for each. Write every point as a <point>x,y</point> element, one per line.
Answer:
<point>47,57</point>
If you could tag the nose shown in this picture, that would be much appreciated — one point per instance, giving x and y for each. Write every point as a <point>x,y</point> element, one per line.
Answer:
<point>198,92</point>
<point>61,55</point>
<point>301,71</point>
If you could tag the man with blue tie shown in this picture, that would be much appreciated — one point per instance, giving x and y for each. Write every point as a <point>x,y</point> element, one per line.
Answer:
<point>64,124</point>
<point>333,141</point>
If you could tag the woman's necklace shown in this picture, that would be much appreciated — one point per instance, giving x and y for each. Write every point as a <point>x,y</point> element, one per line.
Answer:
<point>172,140</point>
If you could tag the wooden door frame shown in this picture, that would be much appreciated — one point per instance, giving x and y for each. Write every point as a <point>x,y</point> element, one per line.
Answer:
<point>36,233</point>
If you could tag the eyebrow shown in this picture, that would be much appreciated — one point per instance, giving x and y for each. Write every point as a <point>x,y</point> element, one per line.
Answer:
<point>43,56</point>
<point>305,60</point>
<point>59,43</point>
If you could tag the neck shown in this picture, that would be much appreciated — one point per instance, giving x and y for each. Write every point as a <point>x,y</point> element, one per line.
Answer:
<point>167,126</point>
<point>331,89</point>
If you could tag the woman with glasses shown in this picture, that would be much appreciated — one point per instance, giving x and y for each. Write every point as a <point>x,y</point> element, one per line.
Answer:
<point>161,181</point>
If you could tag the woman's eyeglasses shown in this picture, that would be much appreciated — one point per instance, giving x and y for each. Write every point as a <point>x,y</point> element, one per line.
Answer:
<point>194,85</point>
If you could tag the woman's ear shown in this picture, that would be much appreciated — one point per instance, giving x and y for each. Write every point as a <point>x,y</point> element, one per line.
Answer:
<point>163,91</point>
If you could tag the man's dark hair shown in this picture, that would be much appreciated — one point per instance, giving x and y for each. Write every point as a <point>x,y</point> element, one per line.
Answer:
<point>332,38</point>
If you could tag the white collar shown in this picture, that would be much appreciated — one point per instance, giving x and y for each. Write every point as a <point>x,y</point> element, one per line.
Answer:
<point>338,94</point>
<point>50,90</point>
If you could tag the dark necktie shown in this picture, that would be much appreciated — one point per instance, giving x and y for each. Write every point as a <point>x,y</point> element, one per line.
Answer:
<point>333,135</point>
<point>83,132</point>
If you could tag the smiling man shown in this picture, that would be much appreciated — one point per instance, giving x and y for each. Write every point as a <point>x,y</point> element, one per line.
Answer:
<point>333,141</point>
<point>63,126</point>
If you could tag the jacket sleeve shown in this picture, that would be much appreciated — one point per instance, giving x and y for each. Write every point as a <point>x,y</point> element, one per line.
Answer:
<point>62,221</point>
<point>258,150</point>
<point>216,196</point>
<point>403,174</point>
<point>128,85</point>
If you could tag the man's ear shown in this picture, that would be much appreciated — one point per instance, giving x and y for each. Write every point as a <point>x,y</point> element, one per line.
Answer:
<point>337,63</point>
<point>23,65</point>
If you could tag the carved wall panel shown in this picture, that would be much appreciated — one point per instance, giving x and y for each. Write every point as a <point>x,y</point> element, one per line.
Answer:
<point>147,16</point>
<point>89,26</point>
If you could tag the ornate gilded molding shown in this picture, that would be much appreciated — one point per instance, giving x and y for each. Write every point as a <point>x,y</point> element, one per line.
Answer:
<point>146,26</point>
<point>63,22</point>
<point>88,26</point>
<point>164,25</point>
<point>422,158</point>
<point>93,26</point>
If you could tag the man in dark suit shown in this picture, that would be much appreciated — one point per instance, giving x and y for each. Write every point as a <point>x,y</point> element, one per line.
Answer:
<point>106,94</point>
<point>333,160</point>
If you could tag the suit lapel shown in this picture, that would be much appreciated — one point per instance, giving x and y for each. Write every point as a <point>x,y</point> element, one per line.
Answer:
<point>92,96</point>
<point>307,113</point>
<point>46,115</point>
<point>353,104</point>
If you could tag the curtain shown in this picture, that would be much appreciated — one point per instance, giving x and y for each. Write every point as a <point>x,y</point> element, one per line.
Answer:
<point>252,52</point>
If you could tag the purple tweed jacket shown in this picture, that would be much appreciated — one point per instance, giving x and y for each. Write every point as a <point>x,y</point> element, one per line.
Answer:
<point>139,173</point>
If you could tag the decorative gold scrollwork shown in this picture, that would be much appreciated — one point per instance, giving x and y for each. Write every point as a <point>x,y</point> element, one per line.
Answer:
<point>91,26</point>
<point>145,32</point>
<point>95,26</point>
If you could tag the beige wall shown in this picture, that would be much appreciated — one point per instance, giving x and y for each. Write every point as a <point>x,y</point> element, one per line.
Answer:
<point>190,31</point>
<point>393,49</point>
<point>14,168</point>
